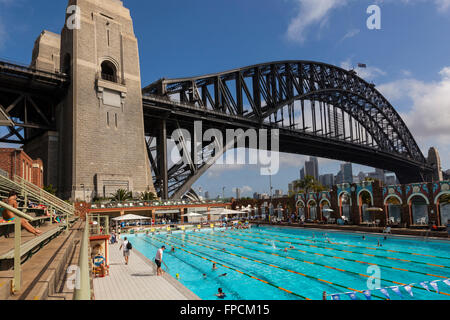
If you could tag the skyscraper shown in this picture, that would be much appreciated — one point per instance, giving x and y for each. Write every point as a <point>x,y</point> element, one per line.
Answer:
<point>238,193</point>
<point>347,172</point>
<point>302,173</point>
<point>312,168</point>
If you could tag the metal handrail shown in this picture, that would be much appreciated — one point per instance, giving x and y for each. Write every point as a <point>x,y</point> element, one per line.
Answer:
<point>17,280</point>
<point>83,288</point>
<point>16,212</point>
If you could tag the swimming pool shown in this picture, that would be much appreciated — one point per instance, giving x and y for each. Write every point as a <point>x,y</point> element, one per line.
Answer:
<point>258,268</point>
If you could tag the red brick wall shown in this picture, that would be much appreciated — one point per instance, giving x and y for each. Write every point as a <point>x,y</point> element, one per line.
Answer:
<point>17,162</point>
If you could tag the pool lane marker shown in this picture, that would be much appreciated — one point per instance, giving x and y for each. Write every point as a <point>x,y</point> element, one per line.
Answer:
<point>319,264</point>
<point>354,246</point>
<point>324,255</point>
<point>227,267</point>
<point>277,267</point>
<point>335,249</point>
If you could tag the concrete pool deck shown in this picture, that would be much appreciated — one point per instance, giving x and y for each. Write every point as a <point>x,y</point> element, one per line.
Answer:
<point>137,280</point>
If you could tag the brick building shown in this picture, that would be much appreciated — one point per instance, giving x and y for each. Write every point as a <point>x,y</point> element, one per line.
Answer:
<point>17,162</point>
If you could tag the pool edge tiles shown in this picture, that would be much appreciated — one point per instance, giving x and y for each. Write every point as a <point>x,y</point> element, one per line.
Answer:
<point>178,285</point>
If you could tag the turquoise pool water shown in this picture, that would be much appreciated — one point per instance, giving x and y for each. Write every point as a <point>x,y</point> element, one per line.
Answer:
<point>258,268</point>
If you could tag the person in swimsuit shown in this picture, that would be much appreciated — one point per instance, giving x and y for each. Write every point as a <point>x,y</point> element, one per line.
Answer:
<point>8,216</point>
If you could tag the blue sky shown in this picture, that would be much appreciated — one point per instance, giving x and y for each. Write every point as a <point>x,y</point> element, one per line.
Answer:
<point>408,59</point>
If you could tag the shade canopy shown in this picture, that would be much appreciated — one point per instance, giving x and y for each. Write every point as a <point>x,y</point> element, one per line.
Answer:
<point>328,210</point>
<point>192,214</point>
<point>130,217</point>
<point>225,212</point>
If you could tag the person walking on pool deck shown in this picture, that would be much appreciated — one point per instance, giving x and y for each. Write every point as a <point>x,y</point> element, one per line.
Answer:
<point>159,260</point>
<point>126,251</point>
<point>8,216</point>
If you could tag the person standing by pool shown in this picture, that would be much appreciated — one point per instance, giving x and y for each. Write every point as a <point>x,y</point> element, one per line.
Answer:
<point>126,251</point>
<point>159,260</point>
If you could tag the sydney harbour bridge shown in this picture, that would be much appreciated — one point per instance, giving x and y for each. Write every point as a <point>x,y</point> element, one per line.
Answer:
<point>318,109</point>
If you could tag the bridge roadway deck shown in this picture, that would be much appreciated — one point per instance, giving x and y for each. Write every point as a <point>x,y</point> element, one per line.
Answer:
<point>137,281</point>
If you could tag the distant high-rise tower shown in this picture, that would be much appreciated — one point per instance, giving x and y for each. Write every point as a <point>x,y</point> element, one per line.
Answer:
<point>435,161</point>
<point>238,193</point>
<point>312,168</point>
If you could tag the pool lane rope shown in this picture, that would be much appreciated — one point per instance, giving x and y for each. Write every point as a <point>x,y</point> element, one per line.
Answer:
<point>322,265</point>
<point>353,246</point>
<point>231,268</point>
<point>278,267</point>
<point>325,255</point>
<point>340,250</point>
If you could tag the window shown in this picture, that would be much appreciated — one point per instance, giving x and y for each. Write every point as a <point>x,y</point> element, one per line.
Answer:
<point>116,119</point>
<point>109,72</point>
<point>107,118</point>
<point>107,35</point>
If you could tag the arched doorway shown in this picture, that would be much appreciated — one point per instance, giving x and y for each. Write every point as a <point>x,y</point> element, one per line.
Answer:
<point>443,206</point>
<point>109,71</point>
<point>418,207</point>
<point>344,205</point>
<point>394,204</point>
<point>325,209</point>
<point>312,208</point>
<point>365,201</point>
<point>300,210</point>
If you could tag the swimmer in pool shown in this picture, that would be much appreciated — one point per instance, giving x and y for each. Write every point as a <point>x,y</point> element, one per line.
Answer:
<point>214,267</point>
<point>220,294</point>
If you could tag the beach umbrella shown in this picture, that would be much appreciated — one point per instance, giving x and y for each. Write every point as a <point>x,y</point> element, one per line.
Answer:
<point>328,210</point>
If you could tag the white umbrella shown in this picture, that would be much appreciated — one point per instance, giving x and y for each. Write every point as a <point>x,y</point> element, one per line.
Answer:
<point>225,212</point>
<point>328,210</point>
<point>130,217</point>
<point>192,214</point>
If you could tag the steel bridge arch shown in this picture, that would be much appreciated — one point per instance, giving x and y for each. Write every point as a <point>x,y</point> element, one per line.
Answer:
<point>260,92</point>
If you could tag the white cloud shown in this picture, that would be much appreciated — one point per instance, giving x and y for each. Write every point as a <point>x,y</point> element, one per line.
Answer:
<point>317,13</point>
<point>429,117</point>
<point>350,34</point>
<point>368,73</point>
<point>310,12</point>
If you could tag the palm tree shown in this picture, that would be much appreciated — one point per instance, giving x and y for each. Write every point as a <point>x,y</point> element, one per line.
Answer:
<point>122,195</point>
<point>148,196</point>
<point>309,184</point>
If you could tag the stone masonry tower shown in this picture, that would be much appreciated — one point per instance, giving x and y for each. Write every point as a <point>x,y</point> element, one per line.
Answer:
<point>100,124</point>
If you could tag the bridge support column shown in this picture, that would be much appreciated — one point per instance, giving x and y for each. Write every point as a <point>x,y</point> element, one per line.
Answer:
<point>162,152</point>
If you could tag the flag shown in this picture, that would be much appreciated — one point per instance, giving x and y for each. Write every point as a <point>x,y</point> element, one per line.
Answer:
<point>368,294</point>
<point>352,295</point>
<point>424,284</point>
<point>335,297</point>
<point>447,282</point>
<point>409,290</point>
<point>386,293</point>
<point>435,285</point>
<point>362,65</point>
<point>397,291</point>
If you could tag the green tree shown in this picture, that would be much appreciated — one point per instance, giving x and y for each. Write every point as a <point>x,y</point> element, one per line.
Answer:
<point>50,189</point>
<point>309,184</point>
<point>147,196</point>
<point>122,195</point>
